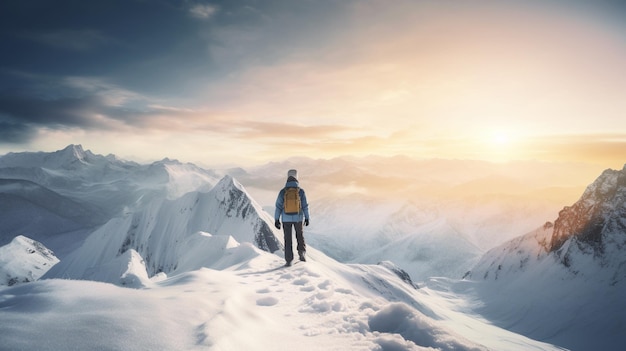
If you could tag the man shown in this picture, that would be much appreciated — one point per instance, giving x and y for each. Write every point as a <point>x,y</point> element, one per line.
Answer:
<point>292,206</point>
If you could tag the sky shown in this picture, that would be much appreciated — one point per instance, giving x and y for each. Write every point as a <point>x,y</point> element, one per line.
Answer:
<point>246,82</point>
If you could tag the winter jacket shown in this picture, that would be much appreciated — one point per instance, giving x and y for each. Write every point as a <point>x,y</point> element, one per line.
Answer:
<point>280,208</point>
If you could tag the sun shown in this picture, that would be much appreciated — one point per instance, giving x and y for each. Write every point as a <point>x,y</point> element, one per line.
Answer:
<point>501,138</point>
<point>500,145</point>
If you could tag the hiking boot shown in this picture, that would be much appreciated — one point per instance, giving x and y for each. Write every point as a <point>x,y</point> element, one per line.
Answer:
<point>288,264</point>
<point>302,258</point>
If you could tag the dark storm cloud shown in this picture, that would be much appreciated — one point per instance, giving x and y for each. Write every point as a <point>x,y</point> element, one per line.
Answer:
<point>134,42</point>
<point>74,40</point>
<point>46,45</point>
<point>12,133</point>
<point>158,49</point>
<point>65,111</point>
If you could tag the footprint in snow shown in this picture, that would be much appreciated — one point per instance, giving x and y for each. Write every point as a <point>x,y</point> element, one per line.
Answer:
<point>344,291</point>
<point>267,301</point>
<point>301,281</point>
<point>286,276</point>
<point>325,285</point>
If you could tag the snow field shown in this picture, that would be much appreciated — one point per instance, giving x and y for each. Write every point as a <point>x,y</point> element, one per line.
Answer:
<point>253,304</point>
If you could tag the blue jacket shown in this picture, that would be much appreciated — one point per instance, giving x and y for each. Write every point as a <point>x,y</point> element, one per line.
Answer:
<point>280,202</point>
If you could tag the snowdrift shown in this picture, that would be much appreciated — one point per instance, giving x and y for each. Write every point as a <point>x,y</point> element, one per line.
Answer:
<point>252,302</point>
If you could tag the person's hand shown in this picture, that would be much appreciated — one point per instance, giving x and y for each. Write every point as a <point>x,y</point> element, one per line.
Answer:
<point>277,224</point>
<point>306,222</point>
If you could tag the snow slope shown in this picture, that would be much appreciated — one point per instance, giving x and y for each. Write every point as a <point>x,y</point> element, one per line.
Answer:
<point>58,198</point>
<point>29,209</point>
<point>163,233</point>
<point>251,302</point>
<point>24,260</point>
<point>564,282</point>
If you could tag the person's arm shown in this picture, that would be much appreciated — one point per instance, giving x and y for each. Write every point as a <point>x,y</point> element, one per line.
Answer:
<point>305,204</point>
<point>280,203</point>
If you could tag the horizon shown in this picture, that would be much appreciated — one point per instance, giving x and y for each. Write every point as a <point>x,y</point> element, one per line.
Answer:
<point>244,84</point>
<point>227,165</point>
<point>386,178</point>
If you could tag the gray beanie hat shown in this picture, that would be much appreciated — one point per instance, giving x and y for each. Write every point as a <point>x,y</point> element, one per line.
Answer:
<point>292,173</point>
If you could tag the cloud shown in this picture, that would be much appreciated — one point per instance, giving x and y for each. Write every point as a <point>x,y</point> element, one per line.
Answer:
<point>202,11</point>
<point>607,148</point>
<point>332,147</point>
<point>272,130</point>
<point>113,94</point>
<point>325,78</point>
<point>62,111</point>
<point>69,102</point>
<point>15,133</point>
<point>78,40</point>
<point>22,119</point>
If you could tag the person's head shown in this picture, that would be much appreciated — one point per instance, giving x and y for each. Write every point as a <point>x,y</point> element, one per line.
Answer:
<point>292,173</point>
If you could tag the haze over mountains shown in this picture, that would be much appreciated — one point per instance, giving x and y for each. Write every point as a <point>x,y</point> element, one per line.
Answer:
<point>362,208</point>
<point>170,227</point>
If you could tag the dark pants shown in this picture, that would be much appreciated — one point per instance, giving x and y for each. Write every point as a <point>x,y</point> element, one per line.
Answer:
<point>288,239</point>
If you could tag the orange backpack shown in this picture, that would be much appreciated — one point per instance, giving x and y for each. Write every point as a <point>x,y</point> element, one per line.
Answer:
<point>292,200</point>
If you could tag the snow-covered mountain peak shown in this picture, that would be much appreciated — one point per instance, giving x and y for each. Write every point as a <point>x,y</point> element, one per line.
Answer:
<point>72,158</point>
<point>598,214</point>
<point>164,233</point>
<point>229,184</point>
<point>75,152</point>
<point>24,260</point>
<point>587,239</point>
<point>570,275</point>
<point>181,178</point>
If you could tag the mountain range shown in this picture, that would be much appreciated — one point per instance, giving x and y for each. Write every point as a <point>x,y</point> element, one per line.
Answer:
<point>61,197</point>
<point>169,228</point>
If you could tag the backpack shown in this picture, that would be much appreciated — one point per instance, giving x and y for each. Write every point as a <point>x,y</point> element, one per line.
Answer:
<point>292,201</point>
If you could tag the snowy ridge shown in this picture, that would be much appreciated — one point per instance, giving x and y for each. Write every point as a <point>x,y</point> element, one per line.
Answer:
<point>595,224</point>
<point>61,159</point>
<point>24,260</point>
<point>590,233</point>
<point>114,183</point>
<point>588,238</point>
<point>62,196</point>
<point>508,259</point>
<point>552,269</point>
<point>251,303</point>
<point>165,232</point>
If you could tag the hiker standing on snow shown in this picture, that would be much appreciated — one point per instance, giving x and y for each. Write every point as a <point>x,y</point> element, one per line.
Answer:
<point>291,204</point>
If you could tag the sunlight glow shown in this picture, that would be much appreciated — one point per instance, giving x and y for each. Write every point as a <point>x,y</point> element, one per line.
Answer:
<point>501,138</point>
